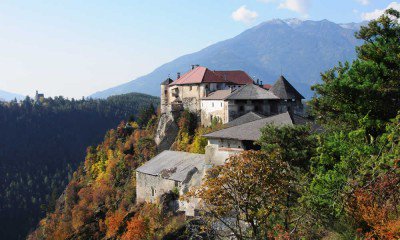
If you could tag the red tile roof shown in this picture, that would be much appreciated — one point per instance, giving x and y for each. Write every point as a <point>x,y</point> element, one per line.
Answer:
<point>236,76</point>
<point>204,75</point>
<point>198,75</point>
<point>267,86</point>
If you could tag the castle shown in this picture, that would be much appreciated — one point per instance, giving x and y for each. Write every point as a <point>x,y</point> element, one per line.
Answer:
<point>232,97</point>
<point>226,95</point>
<point>39,97</point>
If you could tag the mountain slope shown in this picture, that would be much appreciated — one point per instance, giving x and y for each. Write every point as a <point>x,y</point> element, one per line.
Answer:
<point>7,96</point>
<point>301,50</point>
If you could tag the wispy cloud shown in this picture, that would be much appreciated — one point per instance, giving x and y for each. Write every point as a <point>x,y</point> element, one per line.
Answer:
<point>378,12</point>
<point>299,6</point>
<point>245,15</point>
<point>364,2</point>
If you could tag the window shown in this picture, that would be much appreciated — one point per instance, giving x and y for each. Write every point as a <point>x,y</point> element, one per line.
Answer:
<point>176,184</point>
<point>212,104</point>
<point>190,88</point>
<point>221,104</point>
<point>153,191</point>
<point>241,108</point>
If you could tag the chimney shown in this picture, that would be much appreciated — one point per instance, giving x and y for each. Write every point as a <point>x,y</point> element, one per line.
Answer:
<point>178,75</point>
<point>261,83</point>
<point>258,81</point>
<point>193,66</point>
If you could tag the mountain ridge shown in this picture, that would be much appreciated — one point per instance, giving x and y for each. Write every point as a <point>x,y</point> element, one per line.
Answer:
<point>298,49</point>
<point>8,96</point>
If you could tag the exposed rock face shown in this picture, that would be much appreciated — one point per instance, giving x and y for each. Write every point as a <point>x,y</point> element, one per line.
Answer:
<point>167,131</point>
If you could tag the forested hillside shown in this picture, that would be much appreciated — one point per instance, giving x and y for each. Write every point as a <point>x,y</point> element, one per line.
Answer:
<point>42,144</point>
<point>100,199</point>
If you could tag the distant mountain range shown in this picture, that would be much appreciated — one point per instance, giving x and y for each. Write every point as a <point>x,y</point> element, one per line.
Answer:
<point>7,96</point>
<point>298,49</point>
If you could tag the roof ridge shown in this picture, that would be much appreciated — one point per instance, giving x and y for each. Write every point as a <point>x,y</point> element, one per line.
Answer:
<point>262,117</point>
<point>236,91</point>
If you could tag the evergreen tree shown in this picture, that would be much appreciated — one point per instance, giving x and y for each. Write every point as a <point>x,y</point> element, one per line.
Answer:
<point>368,86</point>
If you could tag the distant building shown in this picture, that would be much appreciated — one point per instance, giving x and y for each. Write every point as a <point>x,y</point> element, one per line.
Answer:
<point>39,97</point>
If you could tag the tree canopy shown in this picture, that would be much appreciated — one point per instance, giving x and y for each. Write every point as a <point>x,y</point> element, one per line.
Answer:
<point>370,85</point>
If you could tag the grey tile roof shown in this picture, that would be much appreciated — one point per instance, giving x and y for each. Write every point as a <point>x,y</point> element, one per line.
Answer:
<point>218,95</point>
<point>252,130</point>
<point>284,90</point>
<point>167,81</point>
<point>173,165</point>
<point>251,92</point>
<point>248,117</point>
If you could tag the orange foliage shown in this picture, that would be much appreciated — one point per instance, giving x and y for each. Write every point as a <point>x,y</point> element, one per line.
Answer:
<point>113,222</point>
<point>377,204</point>
<point>81,212</point>
<point>137,229</point>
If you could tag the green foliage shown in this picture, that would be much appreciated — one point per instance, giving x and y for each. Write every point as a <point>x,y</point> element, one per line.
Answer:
<point>145,114</point>
<point>190,136</point>
<point>199,142</point>
<point>356,102</point>
<point>368,86</point>
<point>42,145</point>
<point>187,124</point>
<point>295,143</point>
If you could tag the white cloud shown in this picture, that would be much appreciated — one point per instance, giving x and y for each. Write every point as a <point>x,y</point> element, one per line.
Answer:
<point>378,12</point>
<point>300,6</point>
<point>245,15</point>
<point>363,2</point>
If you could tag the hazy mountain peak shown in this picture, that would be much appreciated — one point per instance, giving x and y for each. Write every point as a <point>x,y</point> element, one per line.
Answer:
<point>301,49</point>
<point>293,21</point>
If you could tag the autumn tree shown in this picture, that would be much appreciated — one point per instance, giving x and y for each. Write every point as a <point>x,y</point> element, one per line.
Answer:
<point>247,194</point>
<point>375,206</point>
<point>137,229</point>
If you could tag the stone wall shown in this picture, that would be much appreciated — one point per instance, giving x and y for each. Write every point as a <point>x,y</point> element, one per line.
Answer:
<point>211,109</point>
<point>150,188</point>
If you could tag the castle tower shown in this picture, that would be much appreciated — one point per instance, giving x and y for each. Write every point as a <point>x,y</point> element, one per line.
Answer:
<point>165,95</point>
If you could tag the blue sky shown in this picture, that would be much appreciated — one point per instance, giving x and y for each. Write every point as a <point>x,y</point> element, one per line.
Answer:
<point>74,48</point>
